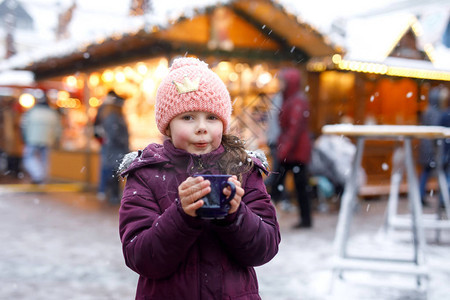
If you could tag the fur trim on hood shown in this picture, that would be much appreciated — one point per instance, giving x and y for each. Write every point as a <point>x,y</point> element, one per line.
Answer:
<point>127,160</point>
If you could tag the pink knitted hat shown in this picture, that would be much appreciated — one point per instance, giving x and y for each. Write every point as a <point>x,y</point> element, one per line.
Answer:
<point>191,86</point>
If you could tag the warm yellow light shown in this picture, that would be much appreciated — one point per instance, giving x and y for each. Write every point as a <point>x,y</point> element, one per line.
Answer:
<point>317,67</point>
<point>429,50</point>
<point>239,67</point>
<point>142,68</point>
<point>68,103</point>
<point>71,81</point>
<point>120,77</point>
<point>162,69</point>
<point>108,76</point>
<point>80,83</point>
<point>247,78</point>
<point>75,102</point>
<point>148,86</point>
<point>94,102</point>
<point>224,66</point>
<point>416,27</point>
<point>233,77</point>
<point>129,72</point>
<point>163,62</point>
<point>336,58</point>
<point>63,95</point>
<point>26,100</point>
<point>263,79</point>
<point>94,79</point>
<point>391,71</point>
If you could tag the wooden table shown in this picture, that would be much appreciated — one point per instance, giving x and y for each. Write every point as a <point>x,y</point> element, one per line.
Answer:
<point>404,133</point>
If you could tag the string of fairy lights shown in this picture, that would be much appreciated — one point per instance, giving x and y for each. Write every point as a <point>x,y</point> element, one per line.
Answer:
<point>337,62</point>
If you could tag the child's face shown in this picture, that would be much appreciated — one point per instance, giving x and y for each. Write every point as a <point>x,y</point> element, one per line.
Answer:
<point>197,132</point>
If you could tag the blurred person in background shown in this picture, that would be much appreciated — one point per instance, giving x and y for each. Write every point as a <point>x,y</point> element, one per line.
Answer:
<point>111,127</point>
<point>99,135</point>
<point>41,130</point>
<point>294,144</point>
<point>427,147</point>
<point>445,121</point>
<point>11,143</point>
<point>273,132</point>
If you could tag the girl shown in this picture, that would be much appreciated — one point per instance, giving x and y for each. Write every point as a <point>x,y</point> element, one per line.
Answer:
<point>177,254</point>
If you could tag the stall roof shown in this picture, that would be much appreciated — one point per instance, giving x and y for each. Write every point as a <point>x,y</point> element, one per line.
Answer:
<point>293,39</point>
<point>371,45</point>
<point>296,32</point>
<point>373,38</point>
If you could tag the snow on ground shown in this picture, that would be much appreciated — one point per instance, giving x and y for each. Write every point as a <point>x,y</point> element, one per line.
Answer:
<point>66,246</point>
<point>302,269</point>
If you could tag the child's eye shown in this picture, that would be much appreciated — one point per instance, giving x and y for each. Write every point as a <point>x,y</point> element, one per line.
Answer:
<point>212,117</point>
<point>187,117</point>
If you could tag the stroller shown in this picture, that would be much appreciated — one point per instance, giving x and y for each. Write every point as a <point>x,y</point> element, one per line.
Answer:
<point>331,162</point>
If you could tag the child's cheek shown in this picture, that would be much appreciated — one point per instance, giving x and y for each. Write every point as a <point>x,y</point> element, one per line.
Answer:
<point>184,135</point>
<point>181,137</point>
<point>218,139</point>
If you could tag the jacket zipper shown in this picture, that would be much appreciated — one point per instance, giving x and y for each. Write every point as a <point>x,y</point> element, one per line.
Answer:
<point>197,164</point>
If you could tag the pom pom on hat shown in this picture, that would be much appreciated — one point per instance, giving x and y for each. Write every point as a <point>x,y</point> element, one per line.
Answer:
<point>191,86</point>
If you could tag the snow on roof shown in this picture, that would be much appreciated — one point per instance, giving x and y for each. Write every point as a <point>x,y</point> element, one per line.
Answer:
<point>413,64</point>
<point>442,55</point>
<point>367,38</point>
<point>14,77</point>
<point>322,13</point>
<point>97,26</point>
<point>88,27</point>
<point>93,21</point>
<point>371,39</point>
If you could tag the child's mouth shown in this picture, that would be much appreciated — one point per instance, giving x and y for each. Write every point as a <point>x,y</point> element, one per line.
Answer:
<point>201,145</point>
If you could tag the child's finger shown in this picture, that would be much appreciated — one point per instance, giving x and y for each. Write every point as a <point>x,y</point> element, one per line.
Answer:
<point>189,182</point>
<point>191,208</point>
<point>199,192</point>
<point>235,180</point>
<point>194,190</point>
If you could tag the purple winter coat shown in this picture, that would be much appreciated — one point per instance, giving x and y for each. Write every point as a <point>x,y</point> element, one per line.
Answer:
<point>181,257</point>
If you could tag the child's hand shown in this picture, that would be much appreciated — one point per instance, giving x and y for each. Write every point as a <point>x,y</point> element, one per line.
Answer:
<point>236,201</point>
<point>190,190</point>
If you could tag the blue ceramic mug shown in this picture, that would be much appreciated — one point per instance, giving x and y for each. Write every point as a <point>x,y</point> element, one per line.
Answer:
<point>216,204</point>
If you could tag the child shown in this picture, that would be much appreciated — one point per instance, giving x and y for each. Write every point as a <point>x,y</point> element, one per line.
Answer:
<point>176,254</point>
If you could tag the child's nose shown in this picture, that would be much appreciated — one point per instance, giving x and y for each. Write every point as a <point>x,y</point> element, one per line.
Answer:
<point>201,126</point>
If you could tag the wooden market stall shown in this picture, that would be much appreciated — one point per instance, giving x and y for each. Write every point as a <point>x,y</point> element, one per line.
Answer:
<point>392,90</point>
<point>244,42</point>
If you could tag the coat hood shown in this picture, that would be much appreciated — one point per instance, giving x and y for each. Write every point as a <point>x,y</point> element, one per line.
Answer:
<point>170,156</point>
<point>167,154</point>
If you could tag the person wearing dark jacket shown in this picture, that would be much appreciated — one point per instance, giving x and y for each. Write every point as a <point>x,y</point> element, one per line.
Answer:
<point>294,144</point>
<point>177,254</point>
<point>445,121</point>
<point>427,147</point>
<point>114,147</point>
